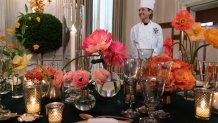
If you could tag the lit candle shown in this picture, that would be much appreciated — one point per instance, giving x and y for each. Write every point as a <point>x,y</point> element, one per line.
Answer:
<point>215,100</point>
<point>33,106</point>
<point>202,110</point>
<point>72,46</point>
<point>54,116</point>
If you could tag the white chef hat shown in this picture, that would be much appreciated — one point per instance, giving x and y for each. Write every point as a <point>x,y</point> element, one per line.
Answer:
<point>147,3</point>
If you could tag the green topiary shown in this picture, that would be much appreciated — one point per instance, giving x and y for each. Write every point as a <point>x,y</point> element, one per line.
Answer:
<point>42,29</point>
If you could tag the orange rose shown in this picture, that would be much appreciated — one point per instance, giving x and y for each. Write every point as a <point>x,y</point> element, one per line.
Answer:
<point>184,78</point>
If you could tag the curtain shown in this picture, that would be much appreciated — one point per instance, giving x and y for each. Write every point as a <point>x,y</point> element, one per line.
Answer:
<point>118,26</point>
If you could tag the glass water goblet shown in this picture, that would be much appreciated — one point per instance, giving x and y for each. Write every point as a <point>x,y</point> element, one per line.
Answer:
<point>152,90</point>
<point>130,72</point>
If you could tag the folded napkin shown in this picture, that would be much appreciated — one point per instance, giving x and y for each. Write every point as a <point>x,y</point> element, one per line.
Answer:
<point>102,120</point>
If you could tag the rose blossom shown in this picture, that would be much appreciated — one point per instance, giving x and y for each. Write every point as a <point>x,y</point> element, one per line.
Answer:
<point>99,40</point>
<point>80,78</point>
<point>100,76</point>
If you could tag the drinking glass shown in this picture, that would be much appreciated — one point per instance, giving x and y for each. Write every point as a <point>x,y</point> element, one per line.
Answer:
<point>152,89</point>
<point>130,72</point>
<point>4,88</point>
<point>143,56</point>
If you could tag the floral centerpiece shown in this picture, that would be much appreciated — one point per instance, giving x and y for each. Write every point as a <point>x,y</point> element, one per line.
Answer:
<point>184,22</point>
<point>53,77</point>
<point>110,54</point>
<point>180,75</point>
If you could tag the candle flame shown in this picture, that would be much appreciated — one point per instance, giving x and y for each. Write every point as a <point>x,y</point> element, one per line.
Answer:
<point>203,104</point>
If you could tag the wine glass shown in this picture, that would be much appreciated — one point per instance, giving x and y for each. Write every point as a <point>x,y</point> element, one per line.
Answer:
<point>130,72</point>
<point>152,90</point>
<point>143,56</point>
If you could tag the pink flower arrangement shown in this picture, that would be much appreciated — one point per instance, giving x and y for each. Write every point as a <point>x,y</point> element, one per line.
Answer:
<point>100,76</point>
<point>100,41</point>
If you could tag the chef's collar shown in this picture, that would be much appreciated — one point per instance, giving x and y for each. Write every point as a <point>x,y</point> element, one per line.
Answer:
<point>146,23</point>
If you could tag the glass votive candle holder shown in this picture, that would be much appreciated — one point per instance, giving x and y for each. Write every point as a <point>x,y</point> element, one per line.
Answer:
<point>54,112</point>
<point>203,103</point>
<point>32,97</point>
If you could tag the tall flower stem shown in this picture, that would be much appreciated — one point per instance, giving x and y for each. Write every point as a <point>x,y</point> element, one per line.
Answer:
<point>76,59</point>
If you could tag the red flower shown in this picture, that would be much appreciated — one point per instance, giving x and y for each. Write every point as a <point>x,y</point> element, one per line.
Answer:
<point>183,20</point>
<point>115,54</point>
<point>80,79</point>
<point>99,40</point>
<point>168,46</point>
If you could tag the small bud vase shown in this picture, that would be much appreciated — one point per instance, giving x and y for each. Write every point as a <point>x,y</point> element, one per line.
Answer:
<point>84,101</point>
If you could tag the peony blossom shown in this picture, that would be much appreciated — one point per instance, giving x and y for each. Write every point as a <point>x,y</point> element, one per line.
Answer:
<point>69,76</point>
<point>211,36</point>
<point>168,46</point>
<point>115,54</point>
<point>183,20</point>
<point>21,63</point>
<point>58,78</point>
<point>80,79</point>
<point>99,40</point>
<point>100,76</point>
<point>196,32</point>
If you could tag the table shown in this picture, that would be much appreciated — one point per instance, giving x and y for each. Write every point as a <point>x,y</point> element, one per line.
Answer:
<point>182,111</point>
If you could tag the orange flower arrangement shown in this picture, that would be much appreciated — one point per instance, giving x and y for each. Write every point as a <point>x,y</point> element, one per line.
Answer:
<point>180,75</point>
<point>196,32</point>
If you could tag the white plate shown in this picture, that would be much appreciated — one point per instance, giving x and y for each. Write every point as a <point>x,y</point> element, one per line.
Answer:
<point>102,120</point>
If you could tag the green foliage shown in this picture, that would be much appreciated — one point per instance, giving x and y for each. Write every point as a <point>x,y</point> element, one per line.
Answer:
<point>47,33</point>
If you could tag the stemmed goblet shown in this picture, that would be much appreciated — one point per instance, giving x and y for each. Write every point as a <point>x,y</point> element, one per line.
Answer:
<point>152,90</point>
<point>130,73</point>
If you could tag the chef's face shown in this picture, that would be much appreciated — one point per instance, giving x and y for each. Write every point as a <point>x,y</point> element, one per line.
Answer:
<point>144,13</point>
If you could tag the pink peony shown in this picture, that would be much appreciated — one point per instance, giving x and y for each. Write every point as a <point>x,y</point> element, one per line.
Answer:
<point>80,79</point>
<point>99,40</point>
<point>68,76</point>
<point>115,54</point>
<point>100,76</point>
<point>58,78</point>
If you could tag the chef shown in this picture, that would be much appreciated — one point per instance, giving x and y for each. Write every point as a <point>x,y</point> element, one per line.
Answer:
<point>146,34</point>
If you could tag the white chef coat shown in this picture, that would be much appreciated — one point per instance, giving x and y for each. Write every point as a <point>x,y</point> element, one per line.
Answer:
<point>148,36</point>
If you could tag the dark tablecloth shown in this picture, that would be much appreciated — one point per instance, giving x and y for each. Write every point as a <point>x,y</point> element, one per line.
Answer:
<point>182,111</point>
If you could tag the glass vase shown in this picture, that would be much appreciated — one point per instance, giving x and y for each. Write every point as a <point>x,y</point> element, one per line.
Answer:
<point>112,85</point>
<point>16,86</point>
<point>84,101</point>
<point>53,93</point>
